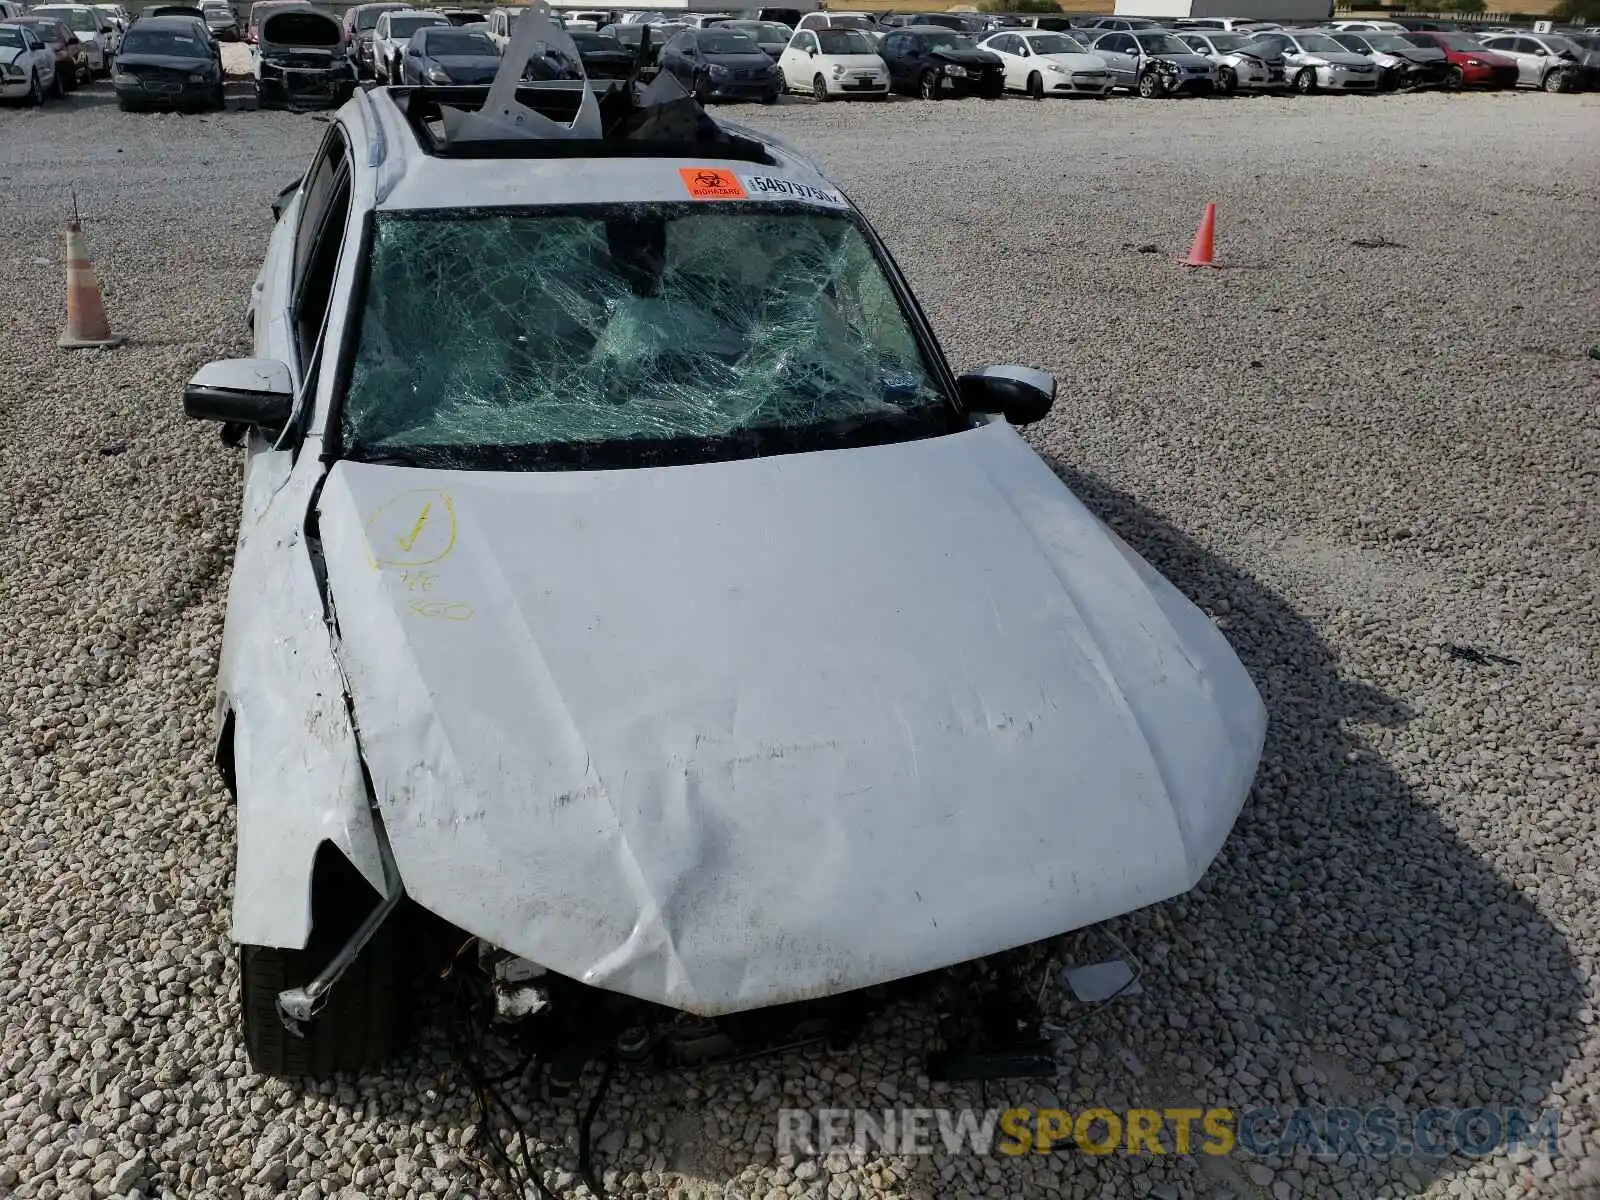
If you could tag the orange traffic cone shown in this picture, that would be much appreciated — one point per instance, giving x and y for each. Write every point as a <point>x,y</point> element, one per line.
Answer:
<point>86,311</point>
<point>1200,253</point>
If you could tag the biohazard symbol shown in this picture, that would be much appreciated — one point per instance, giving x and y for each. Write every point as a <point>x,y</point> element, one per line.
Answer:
<point>711,183</point>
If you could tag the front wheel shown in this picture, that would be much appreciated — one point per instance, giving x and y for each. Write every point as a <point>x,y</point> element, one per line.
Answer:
<point>819,89</point>
<point>1556,81</point>
<point>1036,86</point>
<point>1305,81</point>
<point>1227,80</point>
<point>1149,85</point>
<point>1455,79</point>
<point>361,1020</point>
<point>35,91</point>
<point>928,85</point>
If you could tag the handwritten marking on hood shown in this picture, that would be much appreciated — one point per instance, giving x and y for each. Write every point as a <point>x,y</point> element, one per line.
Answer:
<point>415,529</point>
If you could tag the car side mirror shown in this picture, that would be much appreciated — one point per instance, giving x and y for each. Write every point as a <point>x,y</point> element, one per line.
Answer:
<point>1022,395</point>
<point>811,50</point>
<point>243,394</point>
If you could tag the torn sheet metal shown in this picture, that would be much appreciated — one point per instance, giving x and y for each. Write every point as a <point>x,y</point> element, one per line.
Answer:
<point>295,762</point>
<point>738,734</point>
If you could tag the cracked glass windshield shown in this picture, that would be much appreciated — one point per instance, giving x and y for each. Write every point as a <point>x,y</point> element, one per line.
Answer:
<point>629,336</point>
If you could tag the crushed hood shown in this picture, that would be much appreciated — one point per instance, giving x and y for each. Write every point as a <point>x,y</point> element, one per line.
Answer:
<point>738,734</point>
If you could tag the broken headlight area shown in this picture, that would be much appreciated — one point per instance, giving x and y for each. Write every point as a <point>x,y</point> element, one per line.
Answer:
<point>980,1020</point>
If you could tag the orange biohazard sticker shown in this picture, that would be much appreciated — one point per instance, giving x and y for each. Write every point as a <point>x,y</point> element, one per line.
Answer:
<point>711,183</point>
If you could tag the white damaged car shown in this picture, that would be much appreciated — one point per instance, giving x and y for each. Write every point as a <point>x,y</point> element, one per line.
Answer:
<point>625,578</point>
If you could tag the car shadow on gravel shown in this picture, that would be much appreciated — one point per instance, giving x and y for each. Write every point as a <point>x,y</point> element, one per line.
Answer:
<point>1346,950</point>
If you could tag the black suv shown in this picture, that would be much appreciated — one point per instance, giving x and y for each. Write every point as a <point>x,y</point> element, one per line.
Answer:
<point>933,62</point>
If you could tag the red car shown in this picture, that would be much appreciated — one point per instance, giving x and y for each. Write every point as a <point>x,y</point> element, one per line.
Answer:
<point>1477,67</point>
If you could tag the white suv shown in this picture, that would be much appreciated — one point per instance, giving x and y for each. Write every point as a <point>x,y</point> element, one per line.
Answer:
<point>625,579</point>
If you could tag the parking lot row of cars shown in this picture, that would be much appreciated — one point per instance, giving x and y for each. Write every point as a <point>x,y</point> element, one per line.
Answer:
<point>304,57</point>
<point>833,55</point>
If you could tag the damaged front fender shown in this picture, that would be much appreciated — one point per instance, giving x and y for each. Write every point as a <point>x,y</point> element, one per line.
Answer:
<point>281,701</point>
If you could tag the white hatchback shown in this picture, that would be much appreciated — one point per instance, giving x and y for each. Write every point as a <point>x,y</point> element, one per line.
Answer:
<point>832,63</point>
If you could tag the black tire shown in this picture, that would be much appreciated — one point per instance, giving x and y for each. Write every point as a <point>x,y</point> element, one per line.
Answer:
<point>1036,85</point>
<point>1227,81</point>
<point>1455,79</point>
<point>1305,81</point>
<point>219,100</point>
<point>1556,81</point>
<point>35,95</point>
<point>819,89</point>
<point>928,86</point>
<point>360,1024</point>
<point>1149,85</point>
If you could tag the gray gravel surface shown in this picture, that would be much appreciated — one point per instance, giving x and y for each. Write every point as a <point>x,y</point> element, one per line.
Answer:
<point>1353,456</point>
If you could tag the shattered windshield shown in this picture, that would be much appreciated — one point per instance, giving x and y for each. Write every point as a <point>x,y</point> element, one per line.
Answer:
<point>628,335</point>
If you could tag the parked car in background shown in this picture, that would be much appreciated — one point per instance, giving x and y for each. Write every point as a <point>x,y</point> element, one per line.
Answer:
<point>772,37</point>
<point>466,16</point>
<point>95,31</point>
<point>834,63</point>
<point>219,18</point>
<point>1121,24</point>
<point>441,55</point>
<point>72,60</point>
<point>1367,26</point>
<point>1042,64</point>
<point>1224,24</point>
<point>1556,64</point>
<point>359,24</point>
<point>302,61</point>
<point>1417,24</point>
<point>28,69</point>
<point>934,63</point>
<point>168,62</point>
<point>392,32</point>
<point>1473,65</point>
<point>120,16</point>
<point>718,64</point>
<point>839,20</point>
<point>1316,62</point>
<point>603,56</point>
<point>1241,65</point>
<point>1154,62</point>
<point>10,9</point>
<point>632,38</point>
<point>1401,63</point>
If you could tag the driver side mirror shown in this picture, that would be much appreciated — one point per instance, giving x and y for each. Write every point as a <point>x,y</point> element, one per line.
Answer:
<point>1022,395</point>
<point>243,394</point>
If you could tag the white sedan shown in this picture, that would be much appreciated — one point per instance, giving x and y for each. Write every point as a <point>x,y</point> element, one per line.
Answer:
<point>831,63</point>
<point>1043,63</point>
<point>27,66</point>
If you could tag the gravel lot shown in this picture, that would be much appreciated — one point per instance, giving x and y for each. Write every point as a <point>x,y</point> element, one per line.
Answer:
<point>1351,455</point>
